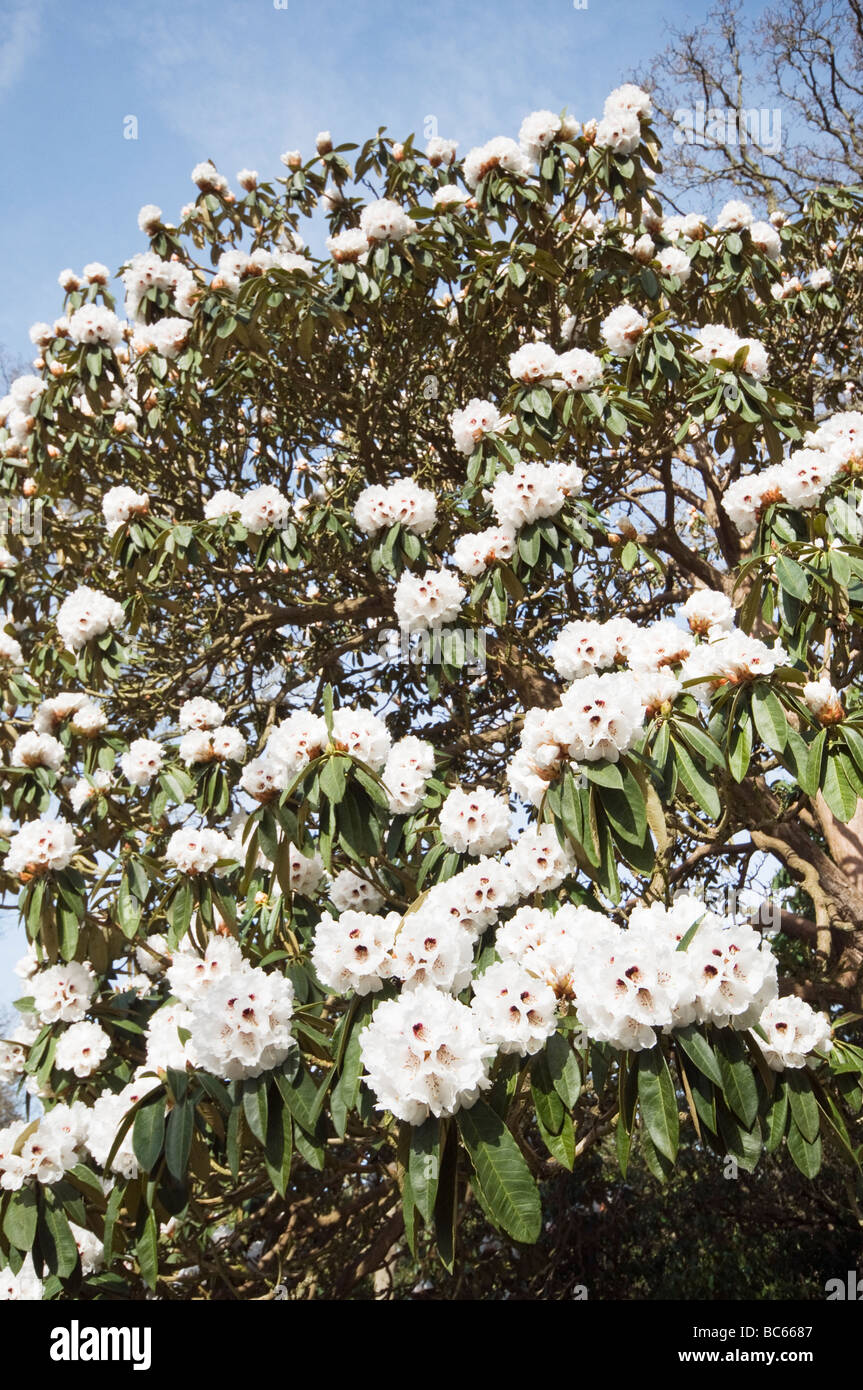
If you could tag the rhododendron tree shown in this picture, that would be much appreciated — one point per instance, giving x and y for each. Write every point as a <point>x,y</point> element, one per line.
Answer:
<point>445,601</point>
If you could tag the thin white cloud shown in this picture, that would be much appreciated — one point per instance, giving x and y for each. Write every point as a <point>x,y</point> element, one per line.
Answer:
<point>20,26</point>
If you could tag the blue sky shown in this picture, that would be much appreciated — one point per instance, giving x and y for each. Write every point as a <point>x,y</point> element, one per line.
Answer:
<point>239,81</point>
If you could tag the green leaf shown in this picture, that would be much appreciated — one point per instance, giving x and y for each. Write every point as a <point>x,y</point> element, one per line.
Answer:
<point>770,720</point>
<point>178,1138</point>
<point>563,1069</point>
<point>702,791</point>
<point>777,1118</point>
<point>19,1223</point>
<point>57,1242</point>
<point>840,796</point>
<point>804,1106</point>
<point>740,744</point>
<point>333,778</point>
<point>792,578</point>
<point>738,1081</point>
<point>424,1166</point>
<point>806,1155</point>
<point>501,1172</point>
<point>699,1052</point>
<point>147,1251</point>
<point>658,1101</point>
<point>148,1133</point>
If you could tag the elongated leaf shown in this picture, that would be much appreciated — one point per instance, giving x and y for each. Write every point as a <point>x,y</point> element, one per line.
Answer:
<point>658,1101</point>
<point>804,1106</point>
<point>178,1138</point>
<point>806,1156</point>
<point>702,791</point>
<point>738,1081</point>
<point>501,1172</point>
<point>770,720</point>
<point>148,1133</point>
<point>424,1166</point>
<point>699,1052</point>
<point>563,1069</point>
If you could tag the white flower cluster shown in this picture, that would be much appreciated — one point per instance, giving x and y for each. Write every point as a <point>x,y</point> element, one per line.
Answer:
<point>238,1016</point>
<point>715,341</point>
<point>146,273</point>
<point>402,502</point>
<point>41,846</point>
<point>599,717</point>
<point>792,1032</point>
<point>532,491</point>
<point>120,504</point>
<point>427,601</point>
<point>85,614</point>
<point>222,744</point>
<point>620,128</point>
<point>474,422</point>
<point>142,761</point>
<point>537,363</point>
<point>303,736</point>
<point>354,951</point>
<point>729,658</point>
<point>475,822</point>
<point>408,767</point>
<point>800,481</point>
<point>198,851</point>
<point>499,153</point>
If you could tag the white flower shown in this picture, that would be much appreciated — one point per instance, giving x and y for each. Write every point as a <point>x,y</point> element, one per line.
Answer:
<point>348,246</point>
<point>404,502</point>
<point>513,1010</point>
<point>165,1047</point>
<point>821,278</point>
<point>628,97</point>
<point>297,740</point>
<point>578,369</point>
<point>423,1054</point>
<point>734,216</point>
<point>85,614</point>
<point>85,788</point>
<point>149,218</point>
<point>363,735</point>
<point>841,434</point>
<point>529,492</point>
<point>600,717</point>
<point>263,507</point>
<point>428,601</point>
<point>767,239</point>
<point>10,650</point>
<point>120,504</point>
<point>805,474</point>
<point>248,179</point>
<point>62,993</point>
<point>203,746</point>
<point>41,845</point>
<point>94,323</point>
<point>499,153</point>
<point>265,777</point>
<point>707,610</point>
<point>353,952</point>
<point>476,896</point>
<point>90,1248</point>
<point>450,195</point>
<point>793,1031</point>
<point>619,131</point>
<point>731,657</point>
<point>222,503</point>
<point>472,554</point>
<point>23,1287</point>
<point>348,890</point>
<point>661,644</point>
<point>241,1026</point>
<point>95,273</point>
<point>673,261</point>
<point>433,948</point>
<point>38,750</point>
<point>733,973</point>
<point>824,700</point>
<point>208,179</point>
<point>200,714</point>
<point>537,132</point>
<point>538,862</point>
<point>744,500</point>
<point>475,822</point>
<point>143,760</point>
<point>622,328</point>
<point>476,420</point>
<point>533,363</point>
<point>105,1119</point>
<point>440,151</point>
<point>82,1048</point>
<point>385,220</point>
<point>585,646</point>
<point>197,851</point>
<point>408,766</point>
<point>150,955</point>
<point>191,975</point>
<point>629,989</point>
